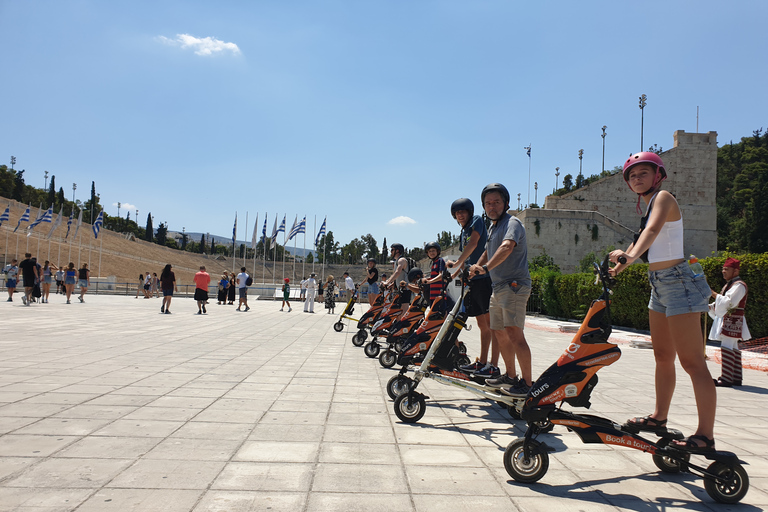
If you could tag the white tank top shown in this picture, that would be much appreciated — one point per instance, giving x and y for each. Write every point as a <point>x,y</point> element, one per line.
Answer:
<point>669,242</point>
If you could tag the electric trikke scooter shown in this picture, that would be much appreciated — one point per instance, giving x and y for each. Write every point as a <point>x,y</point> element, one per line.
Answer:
<point>349,310</point>
<point>441,363</point>
<point>572,379</point>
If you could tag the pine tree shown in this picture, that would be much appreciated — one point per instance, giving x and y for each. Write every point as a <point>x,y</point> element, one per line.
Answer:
<point>150,230</point>
<point>52,192</point>
<point>202,244</point>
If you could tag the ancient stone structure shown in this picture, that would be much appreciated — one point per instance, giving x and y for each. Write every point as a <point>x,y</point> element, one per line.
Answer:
<point>603,214</point>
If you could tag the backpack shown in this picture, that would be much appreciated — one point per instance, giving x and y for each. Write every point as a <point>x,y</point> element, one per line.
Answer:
<point>411,263</point>
<point>249,281</point>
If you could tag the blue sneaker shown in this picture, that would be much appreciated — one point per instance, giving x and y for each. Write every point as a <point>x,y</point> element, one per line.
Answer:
<point>502,381</point>
<point>471,368</point>
<point>520,389</point>
<point>488,372</point>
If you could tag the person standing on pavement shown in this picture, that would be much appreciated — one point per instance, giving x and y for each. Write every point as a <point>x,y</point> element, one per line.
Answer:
<point>29,275</point>
<point>168,285</point>
<point>242,289</point>
<point>372,278</point>
<point>472,240</point>
<point>303,286</point>
<point>69,281</point>
<point>202,280</point>
<point>84,281</point>
<point>47,280</point>
<point>11,275</point>
<point>400,269</point>
<point>286,294</point>
<point>349,286</point>
<point>309,302</point>
<point>506,260</point>
<point>730,324</point>
<point>60,274</point>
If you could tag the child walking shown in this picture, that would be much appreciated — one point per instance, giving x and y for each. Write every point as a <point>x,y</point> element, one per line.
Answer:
<point>286,294</point>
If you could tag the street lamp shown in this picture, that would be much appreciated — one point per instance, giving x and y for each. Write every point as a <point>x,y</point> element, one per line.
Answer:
<point>118,209</point>
<point>46,180</point>
<point>581,155</point>
<point>536,192</point>
<point>13,161</point>
<point>603,136</point>
<point>518,201</point>
<point>557,175</point>
<point>528,151</point>
<point>643,103</point>
<point>74,187</point>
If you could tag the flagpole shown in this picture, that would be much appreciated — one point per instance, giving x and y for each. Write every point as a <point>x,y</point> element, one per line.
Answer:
<point>245,255</point>
<point>284,248</point>
<point>304,260</point>
<point>101,246</point>
<point>264,250</point>
<point>314,230</point>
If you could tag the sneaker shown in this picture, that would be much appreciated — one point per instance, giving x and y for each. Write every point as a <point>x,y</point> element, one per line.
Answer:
<point>289,310</point>
<point>69,302</point>
<point>24,300</point>
<point>247,308</point>
<point>502,381</point>
<point>81,298</point>
<point>281,309</point>
<point>477,365</point>
<point>488,372</point>
<point>167,311</point>
<point>199,313</point>
<point>520,389</point>
<point>162,309</point>
<point>204,311</point>
<point>10,299</point>
<point>238,309</point>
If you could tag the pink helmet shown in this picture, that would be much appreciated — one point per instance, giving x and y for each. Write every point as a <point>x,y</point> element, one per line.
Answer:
<point>645,157</point>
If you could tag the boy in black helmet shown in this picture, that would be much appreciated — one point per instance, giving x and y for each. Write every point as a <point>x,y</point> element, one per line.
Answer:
<point>506,260</point>
<point>472,240</point>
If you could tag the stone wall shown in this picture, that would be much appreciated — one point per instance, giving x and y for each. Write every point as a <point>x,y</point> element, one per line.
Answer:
<point>603,213</point>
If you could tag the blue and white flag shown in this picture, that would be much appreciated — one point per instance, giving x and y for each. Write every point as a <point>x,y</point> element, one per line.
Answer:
<point>274,231</point>
<point>320,233</point>
<point>24,218</point>
<point>281,229</point>
<point>234,230</point>
<point>528,150</point>
<point>44,217</point>
<point>6,215</point>
<point>264,231</point>
<point>56,224</point>
<point>69,222</point>
<point>96,225</point>
<point>300,228</point>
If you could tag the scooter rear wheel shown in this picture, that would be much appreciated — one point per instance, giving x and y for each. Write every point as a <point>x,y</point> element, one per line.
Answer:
<point>362,334</point>
<point>356,341</point>
<point>372,349</point>
<point>397,386</point>
<point>338,326</point>
<point>410,407</point>
<point>522,469</point>
<point>734,487</point>
<point>387,359</point>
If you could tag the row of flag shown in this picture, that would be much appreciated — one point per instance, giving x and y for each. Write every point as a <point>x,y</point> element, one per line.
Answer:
<point>298,228</point>
<point>47,216</point>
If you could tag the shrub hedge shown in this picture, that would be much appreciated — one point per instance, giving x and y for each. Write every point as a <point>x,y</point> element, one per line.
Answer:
<point>568,295</point>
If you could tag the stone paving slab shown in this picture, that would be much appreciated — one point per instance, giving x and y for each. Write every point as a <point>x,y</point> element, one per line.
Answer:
<point>111,406</point>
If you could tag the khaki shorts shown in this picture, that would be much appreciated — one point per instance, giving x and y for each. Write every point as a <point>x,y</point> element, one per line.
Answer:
<point>508,307</point>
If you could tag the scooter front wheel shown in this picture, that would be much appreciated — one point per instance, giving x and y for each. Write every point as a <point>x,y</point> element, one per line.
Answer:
<point>397,386</point>
<point>525,469</point>
<point>356,341</point>
<point>734,484</point>
<point>387,359</point>
<point>410,407</point>
<point>372,349</point>
<point>338,326</point>
<point>362,335</point>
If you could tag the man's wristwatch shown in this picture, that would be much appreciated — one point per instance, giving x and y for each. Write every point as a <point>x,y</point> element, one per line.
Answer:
<point>485,268</point>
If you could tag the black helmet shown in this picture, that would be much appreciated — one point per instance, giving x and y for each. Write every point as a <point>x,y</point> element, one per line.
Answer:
<point>432,245</point>
<point>496,187</point>
<point>462,204</point>
<point>397,247</point>
<point>371,260</point>
<point>414,274</point>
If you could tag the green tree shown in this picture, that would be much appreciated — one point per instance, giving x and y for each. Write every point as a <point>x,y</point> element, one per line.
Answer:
<point>202,245</point>
<point>567,182</point>
<point>384,252</point>
<point>61,200</point>
<point>162,234</point>
<point>52,192</point>
<point>543,262</point>
<point>446,240</point>
<point>352,253</point>
<point>18,186</point>
<point>149,233</point>
<point>372,248</point>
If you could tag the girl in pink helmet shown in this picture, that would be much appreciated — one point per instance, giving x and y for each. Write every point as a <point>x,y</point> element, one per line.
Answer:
<point>677,300</point>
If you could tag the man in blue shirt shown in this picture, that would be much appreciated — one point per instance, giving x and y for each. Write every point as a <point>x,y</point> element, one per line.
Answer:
<point>472,240</point>
<point>506,260</point>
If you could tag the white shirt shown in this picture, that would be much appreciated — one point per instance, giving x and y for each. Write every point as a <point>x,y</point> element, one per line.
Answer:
<point>148,279</point>
<point>719,308</point>
<point>242,277</point>
<point>311,284</point>
<point>350,283</point>
<point>304,284</point>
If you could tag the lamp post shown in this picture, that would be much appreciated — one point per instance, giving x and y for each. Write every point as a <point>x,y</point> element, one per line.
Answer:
<point>536,192</point>
<point>46,181</point>
<point>74,187</point>
<point>528,151</point>
<point>13,161</point>
<point>581,155</point>
<point>643,103</point>
<point>557,175</point>
<point>603,136</point>
<point>580,180</point>
<point>118,209</point>
<point>518,201</point>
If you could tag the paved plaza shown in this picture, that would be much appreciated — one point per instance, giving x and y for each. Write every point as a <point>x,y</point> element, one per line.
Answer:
<point>111,406</point>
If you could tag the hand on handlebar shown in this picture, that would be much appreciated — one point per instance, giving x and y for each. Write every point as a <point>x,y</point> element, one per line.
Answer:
<point>621,259</point>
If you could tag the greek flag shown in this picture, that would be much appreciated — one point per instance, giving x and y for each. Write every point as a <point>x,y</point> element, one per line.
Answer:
<point>274,231</point>
<point>45,217</point>
<point>96,225</point>
<point>56,224</point>
<point>264,231</point>
<point>234,230</point>
<point>281,229</point>
<point>69,222</point>
<point>528,150</point>
<point>254,238</point>
<point>320,233</point>
<point>301,227</point>
<point>24,218</point>
<point>6,215</point>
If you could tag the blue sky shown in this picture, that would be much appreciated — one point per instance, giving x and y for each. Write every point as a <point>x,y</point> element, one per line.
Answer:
<point>363,111</point>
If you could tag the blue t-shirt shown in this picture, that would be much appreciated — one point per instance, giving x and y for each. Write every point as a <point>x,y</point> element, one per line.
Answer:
<point>476,224</point>
<point>515,267</point>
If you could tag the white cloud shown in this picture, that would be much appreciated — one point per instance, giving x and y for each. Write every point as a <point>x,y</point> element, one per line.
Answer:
<point>201,46</point>
<point>125,206</point>
<point>401,221</point>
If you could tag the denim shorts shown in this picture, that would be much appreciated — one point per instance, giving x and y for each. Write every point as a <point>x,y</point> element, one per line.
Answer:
<point>373,288</point>
<point>11,283</point>
<point>82,283</point>
<point>675,291</point>
<point>47,279</point>
<point>69,280</point>
<point>243,292</point>
<point>508,307</point>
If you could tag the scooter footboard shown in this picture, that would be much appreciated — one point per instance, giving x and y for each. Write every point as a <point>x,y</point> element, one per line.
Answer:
<point>594,429</point>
